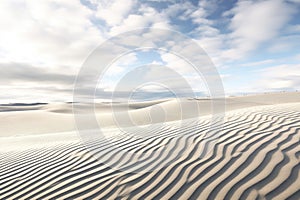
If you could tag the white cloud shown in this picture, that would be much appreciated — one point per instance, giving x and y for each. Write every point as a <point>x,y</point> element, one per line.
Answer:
<point>144,17</point>
<point>130,23</point>
<point>152,87</point>
<point>44,36</point>
<point>23,82</point>
<point>121,64</point>
<point>185,70</point>
<point>180,10</point>
<point>48,32</point>
<point>285,44</point>
<point>284,77</point>
<point>199,17</point>
<point>116,70</point>
<point>254,23</point>
<point>176,63</point>
<point>114,12</point>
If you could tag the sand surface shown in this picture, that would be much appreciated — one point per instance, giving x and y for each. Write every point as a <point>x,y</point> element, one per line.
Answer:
<point>256,155</point>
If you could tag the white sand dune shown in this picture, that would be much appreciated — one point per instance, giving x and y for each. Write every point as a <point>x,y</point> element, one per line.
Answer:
<point>255,156</point>
<point>58,117</point>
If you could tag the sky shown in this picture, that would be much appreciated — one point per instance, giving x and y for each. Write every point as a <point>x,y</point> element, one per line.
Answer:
<point>254,45</point>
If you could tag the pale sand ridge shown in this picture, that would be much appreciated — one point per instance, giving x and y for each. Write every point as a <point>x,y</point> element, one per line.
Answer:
<point>58,117</point>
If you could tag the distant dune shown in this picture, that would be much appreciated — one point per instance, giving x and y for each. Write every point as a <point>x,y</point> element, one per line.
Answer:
<point>256,155</point>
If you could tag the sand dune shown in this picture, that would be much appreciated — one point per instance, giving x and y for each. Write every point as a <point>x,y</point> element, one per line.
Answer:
<point>58,117</point>
<point>255,156</point>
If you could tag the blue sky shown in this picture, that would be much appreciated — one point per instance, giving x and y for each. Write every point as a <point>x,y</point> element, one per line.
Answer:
<point>255,45</point>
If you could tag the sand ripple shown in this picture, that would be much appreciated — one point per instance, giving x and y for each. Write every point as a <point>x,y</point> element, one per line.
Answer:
<point>256,156</point>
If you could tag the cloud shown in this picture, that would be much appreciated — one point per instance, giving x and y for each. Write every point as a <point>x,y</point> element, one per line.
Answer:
<point>293,29</point>
<point>46,32</point>
<point>254,23</point>
<point>281,77</point>
<point>122,64</point>
<point>113,12</point>
<point>16,73</point>
<point>294,1</point>
<point>24,82</point>
<point>176,63</point>
<point>145,16</point>
<point>285,44</point>
<point>44,43</point>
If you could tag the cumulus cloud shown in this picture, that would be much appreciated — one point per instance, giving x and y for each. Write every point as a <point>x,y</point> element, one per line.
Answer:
<point>145,16</point>
<point>47,32</point>
<point>113,12</point>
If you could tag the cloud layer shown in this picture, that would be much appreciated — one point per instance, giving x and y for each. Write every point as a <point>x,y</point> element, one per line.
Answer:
<point>44,43</point>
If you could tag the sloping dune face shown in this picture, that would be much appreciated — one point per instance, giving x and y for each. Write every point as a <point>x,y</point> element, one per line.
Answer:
<point>256,155</point>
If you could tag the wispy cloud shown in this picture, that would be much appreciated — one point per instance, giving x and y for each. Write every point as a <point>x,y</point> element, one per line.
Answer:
<point>253,23</point>
<point>281,77</point>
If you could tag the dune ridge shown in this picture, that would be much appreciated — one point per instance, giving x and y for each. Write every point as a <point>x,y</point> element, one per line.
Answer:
<point>256,155</point>
<point>58,117</point>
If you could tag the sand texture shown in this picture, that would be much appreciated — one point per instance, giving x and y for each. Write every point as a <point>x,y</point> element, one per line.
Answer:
<point>256,155</point>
